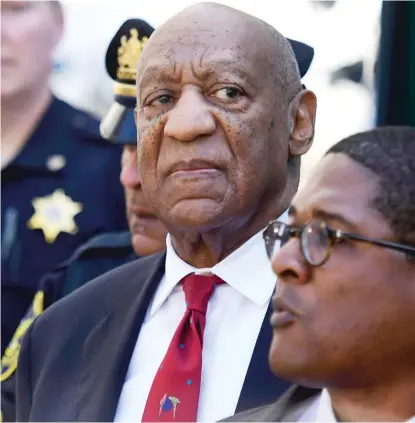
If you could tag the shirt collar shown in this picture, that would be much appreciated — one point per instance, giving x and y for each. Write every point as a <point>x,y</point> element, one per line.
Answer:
<point>247,270</point>
<point>325,411</point>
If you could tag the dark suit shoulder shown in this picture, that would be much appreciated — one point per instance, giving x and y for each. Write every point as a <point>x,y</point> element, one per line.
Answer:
<point>95,298</point>
<point>264,413</point>
<point>97,256</point>
<point>287,408</point>
<point>58,335</point>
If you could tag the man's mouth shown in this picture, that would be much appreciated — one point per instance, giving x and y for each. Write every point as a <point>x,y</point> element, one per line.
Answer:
<point>193,166</point>
<point>142,213</point>
<point>284,315</point>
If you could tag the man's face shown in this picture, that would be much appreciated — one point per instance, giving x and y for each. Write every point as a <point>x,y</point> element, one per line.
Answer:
<point>213,139</point>
<point>353,315</point>
<point>147,233</point>
<point>30,31</point>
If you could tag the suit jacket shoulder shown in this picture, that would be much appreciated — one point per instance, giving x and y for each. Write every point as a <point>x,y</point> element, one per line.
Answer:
<point>71,319</point>
<point>82,340</point>
<point>288,408</point>
<point>102,294</point>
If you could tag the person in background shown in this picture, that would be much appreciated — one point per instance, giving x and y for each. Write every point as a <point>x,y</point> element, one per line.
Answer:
<point>103,252</point>
<point>222,120</point>
<point>344,307</point>
<point>58,176</point>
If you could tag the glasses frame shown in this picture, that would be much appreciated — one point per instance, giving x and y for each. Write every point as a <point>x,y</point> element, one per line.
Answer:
<point>276,230</point>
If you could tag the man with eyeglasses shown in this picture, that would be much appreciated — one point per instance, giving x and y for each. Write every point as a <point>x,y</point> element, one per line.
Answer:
<point>344,307</point>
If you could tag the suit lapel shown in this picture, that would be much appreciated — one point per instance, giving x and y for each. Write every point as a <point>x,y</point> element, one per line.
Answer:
<point>261,386</point>
<point>108,348</point>
<point>290,406</point>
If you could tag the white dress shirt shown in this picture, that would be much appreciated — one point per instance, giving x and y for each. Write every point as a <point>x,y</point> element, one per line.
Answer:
<point>321,410</point>
<point>234,318</point>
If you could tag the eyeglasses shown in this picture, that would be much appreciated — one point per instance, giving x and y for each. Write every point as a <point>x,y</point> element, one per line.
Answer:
<point>317,240</point>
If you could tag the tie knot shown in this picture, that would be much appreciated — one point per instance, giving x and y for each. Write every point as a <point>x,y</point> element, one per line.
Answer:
<point>198,290</point>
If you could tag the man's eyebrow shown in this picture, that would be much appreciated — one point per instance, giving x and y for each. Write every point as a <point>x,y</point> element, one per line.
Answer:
<point>326,215</point>
<point>157,72</point>
<point>224,65</point>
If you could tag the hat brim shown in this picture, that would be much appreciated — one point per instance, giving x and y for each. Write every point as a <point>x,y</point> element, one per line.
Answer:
<point>304,55</point>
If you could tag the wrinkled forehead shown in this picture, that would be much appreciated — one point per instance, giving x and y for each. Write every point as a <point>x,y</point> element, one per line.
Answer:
<point>203,43</point>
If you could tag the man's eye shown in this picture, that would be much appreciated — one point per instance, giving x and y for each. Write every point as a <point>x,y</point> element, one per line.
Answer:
<point>162,99</point>
<point>155,100</point>
<point>228,93</point>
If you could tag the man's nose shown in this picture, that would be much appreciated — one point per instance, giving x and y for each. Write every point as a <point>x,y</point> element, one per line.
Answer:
<point>190,118</point>
<point>130,176</point>
<point>290,265</point>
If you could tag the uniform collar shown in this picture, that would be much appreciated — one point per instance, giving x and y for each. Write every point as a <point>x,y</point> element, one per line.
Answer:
<point>247,270</point>
<point>47,140</point>
<point>42,143</point>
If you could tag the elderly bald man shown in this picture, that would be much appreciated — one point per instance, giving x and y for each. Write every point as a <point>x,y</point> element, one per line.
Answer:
<point>222,121</point>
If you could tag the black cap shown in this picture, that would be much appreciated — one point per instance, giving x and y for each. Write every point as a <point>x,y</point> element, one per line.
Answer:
<point>304,55</point>
<point>118,125</point>
<point>125,48</point>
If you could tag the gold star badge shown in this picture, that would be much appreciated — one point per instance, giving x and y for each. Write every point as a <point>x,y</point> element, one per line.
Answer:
<point>54,214</point>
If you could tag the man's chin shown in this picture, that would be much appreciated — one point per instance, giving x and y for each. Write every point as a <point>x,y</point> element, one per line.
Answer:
<point>198,214</point>
<point>9,89</point>
<point>297,367</point>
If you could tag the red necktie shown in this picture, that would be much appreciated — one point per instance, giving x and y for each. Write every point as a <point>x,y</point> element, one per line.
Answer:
<point>174,395</point>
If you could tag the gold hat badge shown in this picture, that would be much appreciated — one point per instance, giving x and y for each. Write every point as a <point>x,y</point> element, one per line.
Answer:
<point>128,54</point>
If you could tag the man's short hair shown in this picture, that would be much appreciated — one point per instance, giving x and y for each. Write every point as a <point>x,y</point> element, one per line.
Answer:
<point>389,153</point>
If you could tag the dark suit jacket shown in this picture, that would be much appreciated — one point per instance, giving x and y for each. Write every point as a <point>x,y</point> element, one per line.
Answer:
<point>287,409</point>
<point>76,354</point>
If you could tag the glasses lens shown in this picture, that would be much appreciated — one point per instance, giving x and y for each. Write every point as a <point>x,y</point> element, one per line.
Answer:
<point>275,236</point>
<point>315,242</point>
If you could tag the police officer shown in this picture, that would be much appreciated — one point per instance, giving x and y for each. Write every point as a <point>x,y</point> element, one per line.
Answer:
<point>59,177</point>
<point>105,251</point>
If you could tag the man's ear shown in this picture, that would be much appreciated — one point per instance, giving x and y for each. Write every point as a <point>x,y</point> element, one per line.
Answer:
<point>302,117</point>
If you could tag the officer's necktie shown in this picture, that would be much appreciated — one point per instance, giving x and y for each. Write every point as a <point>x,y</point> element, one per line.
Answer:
<point>174,395</point>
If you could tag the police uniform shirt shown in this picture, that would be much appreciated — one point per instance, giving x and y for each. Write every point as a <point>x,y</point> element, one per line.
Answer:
<point>62,189</point>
